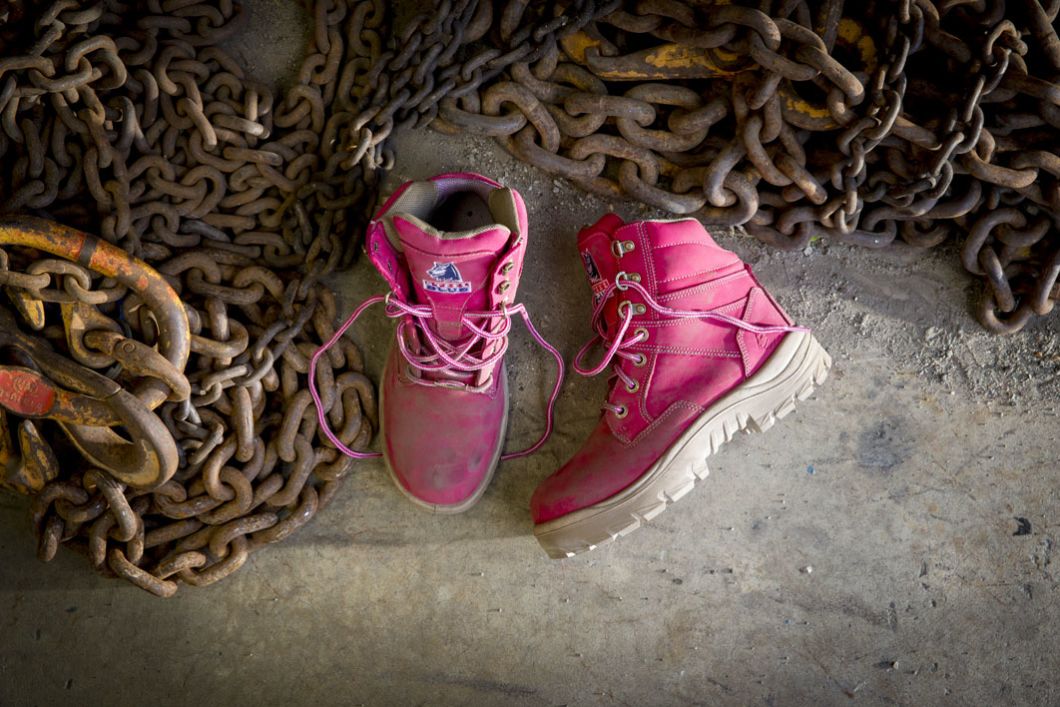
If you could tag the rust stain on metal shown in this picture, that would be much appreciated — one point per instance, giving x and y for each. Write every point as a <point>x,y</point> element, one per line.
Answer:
<point>186,323</point>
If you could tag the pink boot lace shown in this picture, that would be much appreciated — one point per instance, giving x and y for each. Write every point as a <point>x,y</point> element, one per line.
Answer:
<point>618,345</point>
<point>443,356</point>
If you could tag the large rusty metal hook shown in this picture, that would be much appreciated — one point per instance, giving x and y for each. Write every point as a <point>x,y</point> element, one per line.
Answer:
<point>111,261</point>
<point>146,460</point>
<point>94,403</point>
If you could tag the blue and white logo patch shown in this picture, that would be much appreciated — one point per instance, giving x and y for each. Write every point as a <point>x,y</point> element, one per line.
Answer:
<point>445,279</point>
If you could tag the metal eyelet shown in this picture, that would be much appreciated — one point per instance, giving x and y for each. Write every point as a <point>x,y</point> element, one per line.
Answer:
<point>626,306</point>
<point>620,415</point>
<point>641,330</point>
<point>507,268</point>
<point>641,361</point>
<point>633,388</point>
<point>503,287</point>
<point>623,277</point>
<point>620,248</point>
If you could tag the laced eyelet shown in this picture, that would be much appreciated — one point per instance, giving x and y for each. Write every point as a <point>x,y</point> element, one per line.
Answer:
<point>633,388</point>
<point>625,306</point>
<point>620,248</point>
<point>621,412</point>
<point>623,277</point>
<point>638,332</point>
<point>641,361</point>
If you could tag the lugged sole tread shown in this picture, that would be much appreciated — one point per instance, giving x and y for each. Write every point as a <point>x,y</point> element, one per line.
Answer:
<point>682,483</point>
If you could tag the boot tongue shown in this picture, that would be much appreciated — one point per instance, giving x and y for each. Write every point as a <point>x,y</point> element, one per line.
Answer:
<point>450,272</point>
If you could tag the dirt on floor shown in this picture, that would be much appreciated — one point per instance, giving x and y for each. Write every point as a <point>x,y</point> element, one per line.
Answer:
<point>892,542</point>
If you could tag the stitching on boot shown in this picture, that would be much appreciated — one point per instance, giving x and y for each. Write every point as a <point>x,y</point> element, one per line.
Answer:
<point>669,412</point>
<point>706,286</point>
<point>741,336</point>
<point>642,232</point>
<point>658,349</point>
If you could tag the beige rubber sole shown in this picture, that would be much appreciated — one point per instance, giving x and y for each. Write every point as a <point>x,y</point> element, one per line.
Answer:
<point>790,374</point>
<point>477,495</point>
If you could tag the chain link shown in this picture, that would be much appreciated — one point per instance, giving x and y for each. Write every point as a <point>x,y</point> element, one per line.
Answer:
<point>795,119</point>
<point>239,202</point>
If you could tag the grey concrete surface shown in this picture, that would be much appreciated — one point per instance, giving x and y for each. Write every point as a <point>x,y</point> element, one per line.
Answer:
<point>865,550</point>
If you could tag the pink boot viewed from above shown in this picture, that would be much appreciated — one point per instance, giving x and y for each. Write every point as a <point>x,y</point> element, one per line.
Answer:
<point>451,249</point>
<point>700,351</point>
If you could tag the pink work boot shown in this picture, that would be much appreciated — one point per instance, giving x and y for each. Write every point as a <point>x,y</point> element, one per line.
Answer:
<point>700,352</point>
<point>451,249</point>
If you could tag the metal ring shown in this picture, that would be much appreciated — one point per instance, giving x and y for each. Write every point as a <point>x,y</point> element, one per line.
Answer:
<point>624,276</point>
<point>620,248</point>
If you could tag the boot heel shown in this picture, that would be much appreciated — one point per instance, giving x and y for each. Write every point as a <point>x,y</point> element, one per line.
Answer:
<point>790,375</point>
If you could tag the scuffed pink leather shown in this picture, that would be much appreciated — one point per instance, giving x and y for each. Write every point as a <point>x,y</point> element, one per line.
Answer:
<point>440,442</point>
<point>690,364</point>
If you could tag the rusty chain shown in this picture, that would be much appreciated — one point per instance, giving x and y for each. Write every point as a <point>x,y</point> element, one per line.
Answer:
<point>792,118</point>
<point>795,119</point>
<point>164,365</point>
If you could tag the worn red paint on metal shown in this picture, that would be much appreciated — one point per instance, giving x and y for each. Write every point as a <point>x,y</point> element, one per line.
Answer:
<point>23,392</point>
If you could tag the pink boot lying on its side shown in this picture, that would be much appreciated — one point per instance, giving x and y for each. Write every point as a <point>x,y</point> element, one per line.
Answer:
<point>700,352</point>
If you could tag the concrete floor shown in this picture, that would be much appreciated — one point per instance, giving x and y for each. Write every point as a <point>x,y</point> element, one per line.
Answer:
<point>899,484</point>
<point>866,549</point>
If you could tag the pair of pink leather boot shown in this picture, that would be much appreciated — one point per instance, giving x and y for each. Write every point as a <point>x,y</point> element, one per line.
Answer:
<point>698,351</point>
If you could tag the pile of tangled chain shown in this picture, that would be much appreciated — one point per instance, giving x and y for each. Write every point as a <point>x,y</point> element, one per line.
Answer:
<point>793,118</point>
<point>164,359</point>
<point>164,362</point>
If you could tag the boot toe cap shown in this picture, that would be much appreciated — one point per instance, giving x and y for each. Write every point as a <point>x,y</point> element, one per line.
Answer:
<point>441,445</point>
<point>445,478</point>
